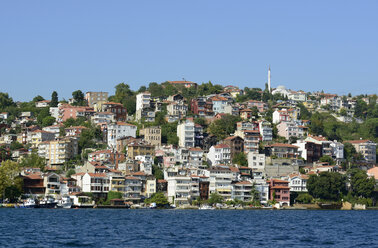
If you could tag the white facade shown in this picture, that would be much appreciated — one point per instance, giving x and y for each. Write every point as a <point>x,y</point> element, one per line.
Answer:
<point>219,154</point>
<point>266,130</point>
<point>297,183</point>
<point>185,132</point>
<point>119,130</point>
<point>220,181</point>
<point>298,96</point>
<point>95,183</point>
<point>281,90</point>
<point>143,100</point>
<point>256,161</point>
<point>179,188</point>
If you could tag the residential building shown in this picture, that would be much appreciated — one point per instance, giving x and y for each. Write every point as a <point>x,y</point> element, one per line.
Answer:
<point>298,182</point>
<point>186,134</point>
<point>220,181</point>
<point>96,99</point>
<point>279,191</point>
<point>186,84</point>
<point>152,135</point>
<point>261,106</point>
<point>367,148</point>
<point>100,118</point>
<point>219,104</point>
<point>59,151</point>
<point>235,143</point>
<point>39,136</point>
<point>256,161</point>
<point>119,111</point>
<point>177,108</point>
<point>282,150</point>
<point>179,190</point>
<point>195,157</point>
<point>119,130</point>
<point>251,141</point>
<point>74,131</point>
<point>51,182</point>
<point>96,183</point>
<point>266,130</point>
<point>54,129</point>
<point>133,189</point>
<point>291,129</point>
<point>219,154</point>
<point>42,104</point>
<point>202,107</point>
<point>298,96</point>
<point>139,148</point>
<point>67,111</point>
<point>242,191</point>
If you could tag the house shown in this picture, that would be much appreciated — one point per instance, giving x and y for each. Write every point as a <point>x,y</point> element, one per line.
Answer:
<point>51,182</point>
<point>67,111</point>
<point>179,189</point>
<point>119,130</point>
<point>280,116</point>
<point>74,131</point>
<point>235,143</point>
<point>202,107</point>
<point>139,148</point>
<point>279,192</point>
<point>298,182</point>
<point>310,151</point>
<point>42,104</point>
<point>186,84</point>
<point>100,118</point>
<point>246,114</point>
<point>256,161</point>
<point>152,135</point>
<point>298,96</point>
<point>219,104</point>
<point>185,133</point>
<point>96,183</point>
<point>177,108</point>
<point>119,111</point>
<point>261,106</point>
<point>280,150</point>
<point>245,125</point>
<point>54,129</point>
<point>144,108</point>
<point>219,154</point>
<point>281,90</point>
<point>291,129</point>
<point>333,149</point>
<point>367,148</point>
<point>33,183</point>
<point>4,115</point>
<point>96,99</point>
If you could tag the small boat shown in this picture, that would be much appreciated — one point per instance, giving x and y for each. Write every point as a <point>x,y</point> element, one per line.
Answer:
<point>47,202</point>
<point>65,202</point>
<point>206,207</point>
<point>29,203</point>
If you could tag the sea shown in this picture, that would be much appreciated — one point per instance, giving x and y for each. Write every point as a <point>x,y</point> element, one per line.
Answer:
<point>187,228</point>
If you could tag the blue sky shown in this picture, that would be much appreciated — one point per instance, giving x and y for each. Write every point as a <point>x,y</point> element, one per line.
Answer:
<point>94,45</point>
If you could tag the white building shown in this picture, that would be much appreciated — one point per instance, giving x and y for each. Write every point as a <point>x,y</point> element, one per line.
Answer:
<point>256,161</point>
<point>291,129</point>
<point>96,183</point>
<point>119,130</point>
<point>57,152</point>
<point>195,157</point>
<point>103,117</point>
<point>298,96</point>
<point>185,133</point>
<point>298,182</point>
<point>281,90</point>
<point>179,188</point>
<point>143,100</point>
<point>219,154</point>
<point>242,191</point>
<point>220,181</point>
<point>53,129</point>
<point>146,162</point>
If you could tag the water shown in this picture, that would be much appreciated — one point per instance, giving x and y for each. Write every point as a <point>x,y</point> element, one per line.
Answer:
<point>186,228</point>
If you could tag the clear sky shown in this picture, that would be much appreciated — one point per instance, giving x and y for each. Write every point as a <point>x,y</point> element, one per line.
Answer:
<point>94,45</point>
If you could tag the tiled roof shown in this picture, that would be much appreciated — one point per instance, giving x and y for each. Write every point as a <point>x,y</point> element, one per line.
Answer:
<point>221,146</point>
<point>283,145</point>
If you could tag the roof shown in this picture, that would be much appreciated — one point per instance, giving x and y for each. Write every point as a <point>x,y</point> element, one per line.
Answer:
<point>78,174</point>
<point>181,82</point>
<point>97,174</point>
<point>234,169</point>
<point>124,124</point>
<point>357,141</point>
<point>283,145</point>
<point>244,182</point>
<point>218,98</point>
<point>161,181</point>
<point>139,173</point>
<point>36,176</point>
<point>195,149</point>
<point>132,178</point>
<point>232,137</point>
<point>374,172</point>
<point>221,146</point>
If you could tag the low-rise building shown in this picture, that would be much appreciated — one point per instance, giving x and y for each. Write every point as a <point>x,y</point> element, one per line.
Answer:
<point>282,150</point>
<point>298,182</point>
<point>152,135</point>
<point>119,130</point>
<point>219,154</point>
<point>220,181</point>
<point>367,148</point>
<point>279,191</point>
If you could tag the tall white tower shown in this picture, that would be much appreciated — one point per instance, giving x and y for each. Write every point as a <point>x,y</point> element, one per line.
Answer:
<point>269,80</point>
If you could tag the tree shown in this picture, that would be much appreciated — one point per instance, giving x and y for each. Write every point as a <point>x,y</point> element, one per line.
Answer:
<point>33,161</point>
<point>5,101</point>
<point>224,127</point>
<point>48,121</point>
<point>124,95</point>
<point>157,198</point>
<point>113,195</point>
<point>54,99</point>
<point>240,159</point>
<point>78,97</point>
<point>38,98</point>
<point>304,198</point>
<point>215,198</point>
<point>10,183</point>
<point>43,113</point>
<point>255,194</point>
<point>16,145</point>
<point>326,185</point>
<point>304,113</point>
<point>157,172</point>
<point>361,185</point>
<point>349,151</point>
<point>156,90</point>
<point>327,159</point>
<point>70,172</point>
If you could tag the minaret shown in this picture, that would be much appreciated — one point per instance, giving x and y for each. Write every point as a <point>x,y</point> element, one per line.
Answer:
<point>269,79</point>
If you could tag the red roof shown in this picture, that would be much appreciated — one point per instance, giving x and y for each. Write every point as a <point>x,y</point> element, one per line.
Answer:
<point>357,141</point>
<point>222,146</point>
<point>283,145</point>
<point>97,174</point>
<point>244,182</point>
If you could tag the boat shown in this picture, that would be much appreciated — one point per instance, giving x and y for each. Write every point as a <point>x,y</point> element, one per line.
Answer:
<point>65,202</point>
<point>47,202</point>
<point>206,207</point>
<point>29,203</point>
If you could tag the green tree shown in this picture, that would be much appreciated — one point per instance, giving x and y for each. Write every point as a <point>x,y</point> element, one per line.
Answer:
<point>222,128</point>
<point>157,172</point>
<point>10,183</point>
<point>304,113</point>
<point>54,99</point>
<point>327,185</point>
<point>113,195</point>
<point>78,97</point>
<point>156,89</point>
<point>48,121</point>
<point>43,113</point>
<point>38,98</point>
<point>361,185</point>
<point>5,101</point>
<point>240,159</point>
<point>70,172</point>
<point>328,159</point>
<point>158,198</point>
<point>16,145</point>
<point>215,198</point>
<point>33,161</point>
<point>304,198</point>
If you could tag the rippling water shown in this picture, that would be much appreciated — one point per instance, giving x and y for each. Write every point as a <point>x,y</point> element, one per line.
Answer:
<point>186,228</point>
